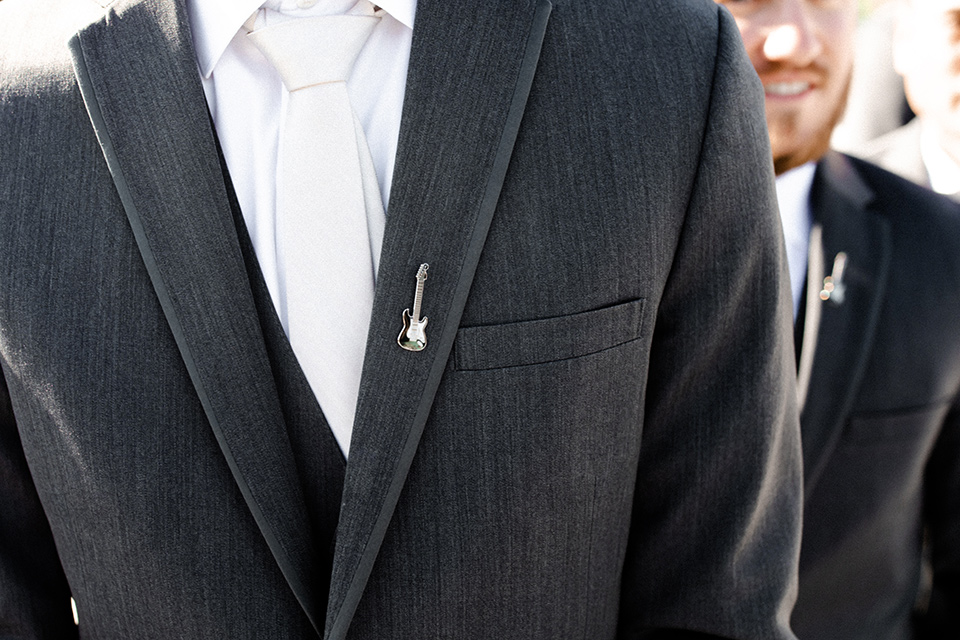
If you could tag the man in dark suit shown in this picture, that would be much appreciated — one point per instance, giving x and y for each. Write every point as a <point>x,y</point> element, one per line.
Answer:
<point>879,367</point>
<point>598,440</point>
<point>926,52</point>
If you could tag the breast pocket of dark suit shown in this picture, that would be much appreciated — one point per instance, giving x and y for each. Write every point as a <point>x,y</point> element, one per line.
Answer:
<point>553,406</point>
<point>545,340</point>
<point>896,427</point>
<point>885,452</point>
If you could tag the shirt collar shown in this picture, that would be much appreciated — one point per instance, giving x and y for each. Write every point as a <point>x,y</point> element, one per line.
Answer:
<point>793,198</point>
<point>214,23</point>
<point>793,187</point>
<point>403,10</point>
<point>943,170</point>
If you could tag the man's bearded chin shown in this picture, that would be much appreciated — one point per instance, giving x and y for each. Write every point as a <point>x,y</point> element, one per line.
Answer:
<point>817,144</point>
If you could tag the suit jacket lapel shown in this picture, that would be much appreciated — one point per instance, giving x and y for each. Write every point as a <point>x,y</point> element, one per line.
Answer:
<point>471,69</point>
<point>150,117</point>
<point>812,309</point>
<point>840,202</point>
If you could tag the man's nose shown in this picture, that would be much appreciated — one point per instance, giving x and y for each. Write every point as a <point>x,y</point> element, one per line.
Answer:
<point>793,39</point>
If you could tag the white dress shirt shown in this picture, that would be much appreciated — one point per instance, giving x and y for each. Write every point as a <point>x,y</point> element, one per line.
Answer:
<point>248,101</point>
<point>793,196</point>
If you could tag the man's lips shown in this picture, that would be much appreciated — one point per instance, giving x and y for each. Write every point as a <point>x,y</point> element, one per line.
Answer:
<point>780,81</point>
<point>787,89</point>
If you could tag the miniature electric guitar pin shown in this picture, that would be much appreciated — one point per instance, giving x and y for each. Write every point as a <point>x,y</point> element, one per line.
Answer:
<point>413,336</point>
<point>834,288</point>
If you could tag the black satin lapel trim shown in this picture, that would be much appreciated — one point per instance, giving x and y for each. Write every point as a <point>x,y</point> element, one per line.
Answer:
<point>461,118</point>
<point>149,114</point>
<point>840,202</point>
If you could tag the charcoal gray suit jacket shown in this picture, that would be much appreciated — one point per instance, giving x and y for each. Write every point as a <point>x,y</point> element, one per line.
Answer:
<point>881,422</point>
<point>600,439</point>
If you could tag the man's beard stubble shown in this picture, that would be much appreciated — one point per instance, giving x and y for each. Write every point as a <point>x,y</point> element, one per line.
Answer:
<point>819,143</point>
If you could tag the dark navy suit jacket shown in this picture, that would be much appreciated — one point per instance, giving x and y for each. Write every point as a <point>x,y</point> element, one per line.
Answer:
<point>881,422</point>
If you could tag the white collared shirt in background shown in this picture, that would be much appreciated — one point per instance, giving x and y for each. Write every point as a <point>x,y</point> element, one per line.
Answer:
<point>944,172</point>
<point>247,101</point>
<point>793,196</point>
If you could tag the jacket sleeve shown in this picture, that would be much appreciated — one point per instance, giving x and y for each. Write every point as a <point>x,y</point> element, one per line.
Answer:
<point>715,530</point>
<point>941,617</point>
<point>34,596</point>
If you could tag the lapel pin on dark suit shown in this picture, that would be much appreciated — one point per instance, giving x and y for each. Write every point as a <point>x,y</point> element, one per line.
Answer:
<point>413,337</point>
<point>834,288</point>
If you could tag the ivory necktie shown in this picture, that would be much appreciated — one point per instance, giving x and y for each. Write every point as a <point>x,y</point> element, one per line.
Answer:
<point>330,217</point>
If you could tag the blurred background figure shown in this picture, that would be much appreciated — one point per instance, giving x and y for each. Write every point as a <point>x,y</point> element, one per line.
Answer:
<point>926,52</point>
<point>875,271</point>
<point>876,104</point>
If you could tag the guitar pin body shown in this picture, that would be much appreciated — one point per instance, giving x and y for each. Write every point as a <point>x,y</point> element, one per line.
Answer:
<point>834,289</point>
<point>413,337</point>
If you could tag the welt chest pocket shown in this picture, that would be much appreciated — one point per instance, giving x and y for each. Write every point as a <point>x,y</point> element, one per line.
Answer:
<point>545,340</point>
<point>920,423</point>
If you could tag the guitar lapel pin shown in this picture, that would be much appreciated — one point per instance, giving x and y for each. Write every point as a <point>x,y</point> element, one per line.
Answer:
<point>413,336</point>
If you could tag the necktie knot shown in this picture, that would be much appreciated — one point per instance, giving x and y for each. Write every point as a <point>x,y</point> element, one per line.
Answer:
<point>312,51</point>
